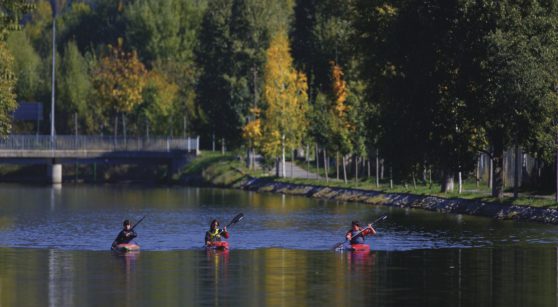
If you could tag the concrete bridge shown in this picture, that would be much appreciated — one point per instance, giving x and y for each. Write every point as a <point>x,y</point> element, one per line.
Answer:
<point>62,149</point>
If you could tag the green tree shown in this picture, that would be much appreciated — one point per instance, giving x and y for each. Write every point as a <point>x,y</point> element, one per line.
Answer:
<point>414,53</point>
<point>12,12</point>
<point>7,84</point>
<point>27,66</point>
<point>323,33</point>
<point>517,76</point>
<point>156,108</point>
<point>214,57</point>
<point>153,27</point>
<point>75,91</point>
<point>165,33</point>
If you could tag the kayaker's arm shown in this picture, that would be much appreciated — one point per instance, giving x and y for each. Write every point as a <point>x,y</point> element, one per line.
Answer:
<point>369,231</point>
<point>225,233</point>
<point>207,238</point>
<point>131,234</point>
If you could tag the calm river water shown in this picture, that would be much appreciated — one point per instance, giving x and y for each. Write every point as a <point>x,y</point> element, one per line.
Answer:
<point>54,251</point>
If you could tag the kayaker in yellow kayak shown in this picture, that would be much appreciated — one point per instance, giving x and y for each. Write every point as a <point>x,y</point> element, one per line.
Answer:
<point>214,233</point>
<point>126,235</point>
<point>356,234</point>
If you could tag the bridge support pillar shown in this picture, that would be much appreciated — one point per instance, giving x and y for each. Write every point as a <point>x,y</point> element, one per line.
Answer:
<point>54,173</point>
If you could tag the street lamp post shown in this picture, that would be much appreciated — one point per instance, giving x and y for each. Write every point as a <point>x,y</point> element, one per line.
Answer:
<point>52,132</point>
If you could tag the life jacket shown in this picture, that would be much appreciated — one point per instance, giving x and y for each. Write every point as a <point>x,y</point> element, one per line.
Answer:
<point>359,239</point>
<point>214,235</point>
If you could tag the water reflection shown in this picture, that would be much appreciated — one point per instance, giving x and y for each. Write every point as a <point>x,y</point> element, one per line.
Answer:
<point>60,278</point>
<point>484,277</point>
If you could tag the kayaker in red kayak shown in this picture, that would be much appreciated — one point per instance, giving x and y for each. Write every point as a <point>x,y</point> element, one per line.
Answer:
<point>126,235</point>
<point>214,233</point>
<point>355,237</point>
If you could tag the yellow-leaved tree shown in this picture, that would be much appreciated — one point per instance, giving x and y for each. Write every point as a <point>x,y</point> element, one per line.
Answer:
<point>339,88</point>
<point>119,79</point>
<point>341,127</point>
<point>284,120</point>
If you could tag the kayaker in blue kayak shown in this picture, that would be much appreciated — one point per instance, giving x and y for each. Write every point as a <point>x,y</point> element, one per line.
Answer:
<point>126,235</point>
<point>356,234</point>
<point>214,233</point>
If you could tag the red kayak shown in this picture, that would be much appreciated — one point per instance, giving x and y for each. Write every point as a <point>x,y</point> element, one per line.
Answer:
<point>358,248</point>
<point>125,247</point>
<point>221,245</point>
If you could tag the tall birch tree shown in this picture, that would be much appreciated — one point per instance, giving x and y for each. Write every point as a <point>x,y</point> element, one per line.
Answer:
<point>285,102</point>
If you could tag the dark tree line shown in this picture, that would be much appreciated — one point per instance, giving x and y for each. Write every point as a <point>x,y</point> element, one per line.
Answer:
<point>426,84</point>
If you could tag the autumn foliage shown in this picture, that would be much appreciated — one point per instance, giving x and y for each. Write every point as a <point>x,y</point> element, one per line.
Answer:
<point>339,88</point>
<point>286,100</point>
<point>119,79</point>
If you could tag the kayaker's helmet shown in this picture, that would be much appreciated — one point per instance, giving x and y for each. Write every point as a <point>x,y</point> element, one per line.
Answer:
<point>355,223</point>
<point>214,224</point>
<point>126,223</point>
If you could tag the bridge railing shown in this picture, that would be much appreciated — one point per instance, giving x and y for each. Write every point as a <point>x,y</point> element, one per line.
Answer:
<point>97,142</point>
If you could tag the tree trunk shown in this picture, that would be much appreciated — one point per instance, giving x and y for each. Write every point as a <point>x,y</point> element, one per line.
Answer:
<point>430,177</point>
<point>326,166</point>
<point>491,173</point>
<point>213,142</point>
<point>249,156</point>
<point>337,164</point>
<point>356,168</point>
<point>283,172</point>
<point>516,173</point>
<point>460,182</point>
<point>317,161</point>
<point>478,170</point>
<point>377,169</point>
<point>344,170</point>
<point>308,168</point>
<point>124,128</point>
<point>498,173</point>
<point>390,177</point>
<point>277,173</point>
<point>556,170</point>
<point>447,182</point>
<point>293,152</point>
<point>115,127</point>
<point>382,169</point>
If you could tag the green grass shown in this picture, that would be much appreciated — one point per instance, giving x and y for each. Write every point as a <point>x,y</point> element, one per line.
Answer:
<point>228,170</point>
<point>217,169</point>
<point>470,189</point>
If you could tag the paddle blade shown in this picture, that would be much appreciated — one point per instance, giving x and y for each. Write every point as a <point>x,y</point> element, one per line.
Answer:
<point>236,219</point>
<point>338,245</point>
<point>381,218</point>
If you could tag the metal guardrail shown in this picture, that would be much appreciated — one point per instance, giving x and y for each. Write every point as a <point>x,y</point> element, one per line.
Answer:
<point>95,142</point>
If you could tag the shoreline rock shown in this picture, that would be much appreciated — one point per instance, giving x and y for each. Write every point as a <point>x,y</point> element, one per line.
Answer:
<point>401,200</point>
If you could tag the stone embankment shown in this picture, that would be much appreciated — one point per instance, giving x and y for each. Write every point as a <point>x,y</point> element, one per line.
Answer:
<point>432,203</point>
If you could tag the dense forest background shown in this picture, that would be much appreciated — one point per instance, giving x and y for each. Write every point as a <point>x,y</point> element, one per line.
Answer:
<point>422,84</point>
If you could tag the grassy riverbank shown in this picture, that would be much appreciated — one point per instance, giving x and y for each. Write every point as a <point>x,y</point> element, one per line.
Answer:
<point>213,168</point>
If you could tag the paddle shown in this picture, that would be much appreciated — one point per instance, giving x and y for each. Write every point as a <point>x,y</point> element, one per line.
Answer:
<point>381,218</point>
<point>235,220</point>
<point>137,223</point>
